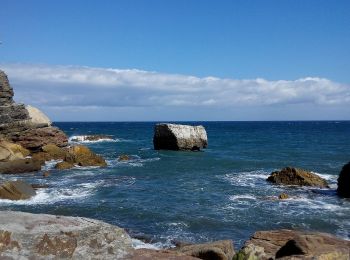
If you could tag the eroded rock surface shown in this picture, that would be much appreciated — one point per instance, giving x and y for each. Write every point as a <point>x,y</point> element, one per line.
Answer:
<point>41,236</point>
<point>294,176</point>
<point>179,137</point>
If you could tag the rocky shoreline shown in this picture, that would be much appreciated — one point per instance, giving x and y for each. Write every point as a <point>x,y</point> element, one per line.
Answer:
<point>28,140</point>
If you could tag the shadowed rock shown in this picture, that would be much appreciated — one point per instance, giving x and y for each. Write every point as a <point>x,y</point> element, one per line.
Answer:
<point>294,176</point>
<point>344,181</point>
<point>179,137</point>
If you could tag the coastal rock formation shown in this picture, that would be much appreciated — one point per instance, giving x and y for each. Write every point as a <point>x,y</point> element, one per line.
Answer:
<point>294,176</point>
<point>179,137</point>
<point>20,166</point>
<point>296,244</point>
<point>27,126</point>
<point>41,236</point>
<point>344,181</point>
<point>16,190</point>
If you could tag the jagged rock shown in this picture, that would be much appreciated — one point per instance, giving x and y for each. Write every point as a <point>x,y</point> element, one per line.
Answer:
<point>343,189</point>
<point>19,166</point>
<point>294,176</point>
<point>37,117</point>
<point>91,138</point>
<point>220,250</point>
<point>41,236</point>
<point>83,156</point>
<point>6,92</point>
<point>34,139</point>
<point>16,190</point>
<point>300,245</point>
<point>179,137</point>
<point>283,196</point>
<point>64,165</point>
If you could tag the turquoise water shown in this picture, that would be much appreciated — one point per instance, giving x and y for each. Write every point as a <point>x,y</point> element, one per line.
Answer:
<point>220,193</point>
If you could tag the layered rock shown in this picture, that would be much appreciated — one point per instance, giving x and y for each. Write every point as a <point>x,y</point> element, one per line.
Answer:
<point>343,189</point>
<point>179,137</point>
<point>20,166</point>
<point>41,236</point>
<point>294,176</point>
<point>16,190</point>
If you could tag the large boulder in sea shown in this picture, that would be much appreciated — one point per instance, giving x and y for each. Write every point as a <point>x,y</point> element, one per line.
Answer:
<point>16,190</point>
<point>343,189</point>
<point>179,137</point>
<point>42,236</point>
<point>296,244</point>
<point>294,176</point>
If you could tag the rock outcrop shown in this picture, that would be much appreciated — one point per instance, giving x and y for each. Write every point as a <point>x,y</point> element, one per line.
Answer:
<point>343,189</point>
<point>41,236</point>
<point>16,190</point>
<point>179,137</point>
<point>296,244</point>
<point>20,166</point>
<point>294,176</point>
<point>37,118</point>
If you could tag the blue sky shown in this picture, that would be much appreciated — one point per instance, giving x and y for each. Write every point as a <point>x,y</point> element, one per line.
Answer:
<point>172,44</point>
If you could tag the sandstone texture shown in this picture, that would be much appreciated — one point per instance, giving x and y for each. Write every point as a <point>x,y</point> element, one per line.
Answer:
<point>343,189</point>
<point>179,137</point>
<point>16,190</point>
<point>37,117</point>
<point>41,236</point>
<point>83,156</point>
<point>291,244</point>
<point>20,166</point>
<point>294,176</point>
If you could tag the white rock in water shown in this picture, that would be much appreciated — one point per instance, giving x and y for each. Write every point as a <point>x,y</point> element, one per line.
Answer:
<point>179,137</point>
<point>38,118</point>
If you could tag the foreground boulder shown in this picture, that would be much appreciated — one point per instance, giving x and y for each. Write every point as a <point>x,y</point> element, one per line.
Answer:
<point>41,236</point>
<point>294,176</point>
<point>296,244</point>
<point>179,137</point>
<point>19,166</point>
<point>344,181</point>
<point>16,190</point>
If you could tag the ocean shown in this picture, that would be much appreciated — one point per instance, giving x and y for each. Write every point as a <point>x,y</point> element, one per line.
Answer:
<point>218,193</point>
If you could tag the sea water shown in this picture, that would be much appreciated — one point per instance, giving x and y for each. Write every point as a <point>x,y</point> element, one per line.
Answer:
<point>219,193</point>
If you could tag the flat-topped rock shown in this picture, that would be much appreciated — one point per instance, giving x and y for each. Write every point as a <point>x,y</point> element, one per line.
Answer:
<point>179,137</point>
<point>42,236</point>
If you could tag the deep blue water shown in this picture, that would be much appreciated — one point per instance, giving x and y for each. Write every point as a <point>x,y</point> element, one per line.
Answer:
<point>220,193</point>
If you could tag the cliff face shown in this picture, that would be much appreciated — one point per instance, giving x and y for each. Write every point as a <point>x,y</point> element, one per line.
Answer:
<point>13,117</point>
<point>27,126</point>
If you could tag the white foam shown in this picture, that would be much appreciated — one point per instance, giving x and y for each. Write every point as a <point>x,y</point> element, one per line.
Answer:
<point>137,244</point>
<point>242,197</point>
<point>50,165</point>
<point>328,177</point>
<point>82,139</point>
<point>246,179</point>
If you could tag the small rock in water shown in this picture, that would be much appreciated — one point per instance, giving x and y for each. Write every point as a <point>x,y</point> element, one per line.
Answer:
<point>124,157</point>
<point>283,196</point>
<point>46,174</point>
<point>39,186</point>
<point>64,165</point>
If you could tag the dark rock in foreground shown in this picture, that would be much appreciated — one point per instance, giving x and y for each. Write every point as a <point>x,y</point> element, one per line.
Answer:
<point>294,176</point>
<point>344,181</point>
<point>41,236</point>
<point>179,137</point>
<point>295,244</point>
<point>16,190</point>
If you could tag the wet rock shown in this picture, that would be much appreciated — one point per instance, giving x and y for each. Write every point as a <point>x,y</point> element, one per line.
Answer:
<point>41,236</point>
<point>41,157</point>
<point>16,190</point>
<point>300,245</point>
<point>54,151</point>
<point>83,156</point>
<point>64,165</point>
<point>294,176</point>
<point>149,254</point>
<point>283,196</point>
<point>179,137</point>
<point>19,166</point>
<point>34,139</point>
<point>37,118</point>
<point>124,157</point>
<point>91,138</point>
<point>220,250</point>
<point>343,189</point>
<point>39,186</point>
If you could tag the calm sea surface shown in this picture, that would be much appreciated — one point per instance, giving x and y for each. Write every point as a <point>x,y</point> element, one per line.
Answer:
<point>220,193</point>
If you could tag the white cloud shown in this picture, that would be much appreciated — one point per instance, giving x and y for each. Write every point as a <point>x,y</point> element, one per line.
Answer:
<point>70,86</point>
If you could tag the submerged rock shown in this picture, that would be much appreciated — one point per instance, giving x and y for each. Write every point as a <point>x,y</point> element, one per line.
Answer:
<point>343,189</point>
<point>300,245</point>
<point>294,176</point>
<point>283,196</point>
<point>124,157</point>
<point>64,165</point>
<point>179,137</point>
<point>16,190</point>
<point>19,166</point>
<point>42,236</point>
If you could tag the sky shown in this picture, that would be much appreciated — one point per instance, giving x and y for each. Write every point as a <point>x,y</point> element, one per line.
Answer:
<point>156,60</point>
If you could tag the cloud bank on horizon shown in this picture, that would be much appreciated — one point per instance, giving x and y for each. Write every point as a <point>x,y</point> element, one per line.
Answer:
<point>104,92</point>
